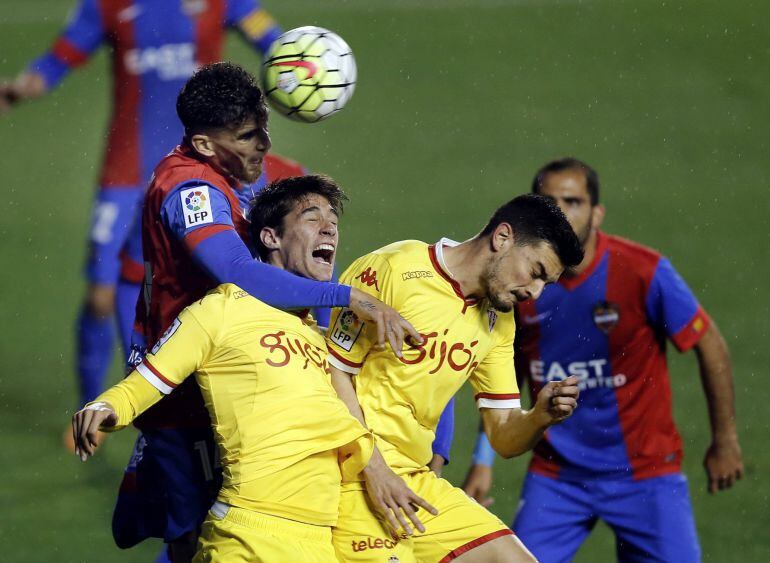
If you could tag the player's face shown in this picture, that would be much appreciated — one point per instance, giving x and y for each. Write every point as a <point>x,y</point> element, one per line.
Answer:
<point>308,244</point>
<point>519,273</point>
<point>570,191</point>
<point>239,152</point>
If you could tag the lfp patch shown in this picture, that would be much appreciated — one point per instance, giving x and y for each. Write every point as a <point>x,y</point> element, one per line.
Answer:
<point>346,330</point>
<point>196,206</point>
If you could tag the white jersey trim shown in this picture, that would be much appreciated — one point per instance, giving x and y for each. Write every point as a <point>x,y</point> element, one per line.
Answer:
<point>498,403</point>
<point>341,366</point>
<point>153,379</point>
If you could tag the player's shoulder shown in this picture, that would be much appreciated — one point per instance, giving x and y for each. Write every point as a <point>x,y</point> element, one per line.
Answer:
<point>180,169</point>
<point>402,251</point>
<point>632,257</point>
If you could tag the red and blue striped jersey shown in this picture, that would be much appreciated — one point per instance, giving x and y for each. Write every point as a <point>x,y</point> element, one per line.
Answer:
<point>188,202</point>
<point>609,327</point>
<point>155,46</point>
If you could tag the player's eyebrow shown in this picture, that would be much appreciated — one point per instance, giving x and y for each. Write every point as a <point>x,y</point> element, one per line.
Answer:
<point>542,274</point>
<point>248,134</point>
<point>315,208</point>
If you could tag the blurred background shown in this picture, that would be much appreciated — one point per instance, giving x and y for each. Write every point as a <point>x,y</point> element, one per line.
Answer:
<point>457,104</point>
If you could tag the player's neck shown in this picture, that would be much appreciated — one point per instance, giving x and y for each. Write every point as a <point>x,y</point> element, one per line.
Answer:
<point>589,252</point>
<point>465,263</point>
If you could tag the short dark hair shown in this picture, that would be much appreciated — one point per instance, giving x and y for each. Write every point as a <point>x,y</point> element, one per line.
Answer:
<point>219,96</point>
<point>276,200</point>
<point>569,163</point>
<point>535,218</point>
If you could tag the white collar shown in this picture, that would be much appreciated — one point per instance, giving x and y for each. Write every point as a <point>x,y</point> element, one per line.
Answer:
<point>440,253</point>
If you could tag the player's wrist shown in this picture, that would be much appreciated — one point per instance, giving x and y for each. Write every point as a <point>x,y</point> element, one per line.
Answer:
<point>725,439</point>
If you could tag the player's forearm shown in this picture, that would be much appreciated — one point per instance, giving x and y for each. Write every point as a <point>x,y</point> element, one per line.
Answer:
<point>513,432</point>
<point>128,399</point>
<point>717,379</point>
<point>226,259</point>
<point>343,385</point>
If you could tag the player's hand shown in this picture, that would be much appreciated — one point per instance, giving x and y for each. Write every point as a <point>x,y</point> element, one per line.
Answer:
<point>724,464</point>
<point>478,483</point>
<point>437,464</point>
<point>25,86</point>
<point>392,498</point>
<point>8,96</point>
<point>557,400</point>
<point>391,326</point>
<point>85,427</point>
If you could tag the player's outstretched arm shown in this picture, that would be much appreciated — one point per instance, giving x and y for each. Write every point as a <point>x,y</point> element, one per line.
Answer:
<point>515,431</point>
<point>387,491</point>
<point>723,460</point>
<point>113,410</point>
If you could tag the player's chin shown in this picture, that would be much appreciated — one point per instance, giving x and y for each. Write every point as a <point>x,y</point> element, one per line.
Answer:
<point>501,303</point>
<point>321,271</point>
<point>251,174</point>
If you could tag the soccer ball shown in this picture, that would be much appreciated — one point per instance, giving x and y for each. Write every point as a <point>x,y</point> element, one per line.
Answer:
<point>309,73</point>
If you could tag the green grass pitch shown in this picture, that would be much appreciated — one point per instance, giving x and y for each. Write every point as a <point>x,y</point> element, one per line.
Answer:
<point>458,103</point>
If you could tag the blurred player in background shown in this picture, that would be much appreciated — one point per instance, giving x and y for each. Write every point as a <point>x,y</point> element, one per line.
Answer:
<point>619,457</point>
<point>155,46</point>
<point>284,434</point>
<point>195,236</point>
<point>459,296</point>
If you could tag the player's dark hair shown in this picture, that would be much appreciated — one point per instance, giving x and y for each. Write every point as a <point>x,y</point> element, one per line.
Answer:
<point>276,200</point>
<point>535,218</point>
<point>219,96</point>
<point>569,163</point>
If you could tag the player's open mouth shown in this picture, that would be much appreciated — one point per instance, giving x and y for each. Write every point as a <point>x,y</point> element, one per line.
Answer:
<point>324,253</point>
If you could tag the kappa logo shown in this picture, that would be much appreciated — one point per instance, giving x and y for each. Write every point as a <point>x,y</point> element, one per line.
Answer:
<point>196,206</point>
<point>346,330</point>
<point>416,275</point>
<point>369,278</point>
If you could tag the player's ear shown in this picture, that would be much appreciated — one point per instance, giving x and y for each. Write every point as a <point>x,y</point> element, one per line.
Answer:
<point>203,144</point>
<point>269,238</point>
<point>597,216</point>
<point>502,237</point>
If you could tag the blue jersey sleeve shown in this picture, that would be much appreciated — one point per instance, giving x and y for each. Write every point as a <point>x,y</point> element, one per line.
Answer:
<point>82,35</point>
<point>445,431</point>
<point>483,454</point>
<point>200,215</point>
<point>225,258</point>
<point>256,24</point>
<point>194,205</point>
<point>673,309</point>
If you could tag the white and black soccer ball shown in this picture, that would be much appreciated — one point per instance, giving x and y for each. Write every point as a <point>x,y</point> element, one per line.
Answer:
<point>309,73</point>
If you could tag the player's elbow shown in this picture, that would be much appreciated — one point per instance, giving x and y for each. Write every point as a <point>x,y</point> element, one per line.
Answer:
<point>506,448</point>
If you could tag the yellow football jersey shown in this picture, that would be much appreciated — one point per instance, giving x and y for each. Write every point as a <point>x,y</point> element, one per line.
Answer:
<point>402,399</point>
<point>285,437</point>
